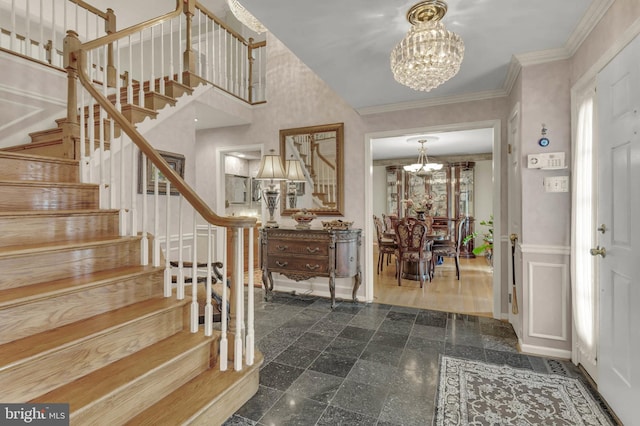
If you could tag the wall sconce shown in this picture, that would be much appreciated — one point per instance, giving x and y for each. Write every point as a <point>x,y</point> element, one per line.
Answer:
<point>271,169</point>
<point>294,174</point>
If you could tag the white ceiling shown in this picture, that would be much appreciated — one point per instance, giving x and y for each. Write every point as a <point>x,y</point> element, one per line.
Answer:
<point>348,43</point>
<point>464,142</point>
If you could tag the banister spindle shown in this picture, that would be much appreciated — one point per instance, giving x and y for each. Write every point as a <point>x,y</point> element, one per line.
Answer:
<point>224,343</point>
<point>208,307</point>
<point>194,274</point>
<point>237,292</point>
<point>167,243</point>
<point>250,339</point>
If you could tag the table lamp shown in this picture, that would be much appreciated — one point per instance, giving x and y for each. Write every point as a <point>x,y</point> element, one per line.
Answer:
<point>272,170</point>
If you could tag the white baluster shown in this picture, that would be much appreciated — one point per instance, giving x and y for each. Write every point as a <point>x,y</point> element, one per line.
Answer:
<point>28,30</point>
<point>194,275</point>
<point>208,307</point>
<point>156,216</point>
<point>152,78</point>
<point>129,99</point>
<point>180,290</point>
<point>167,244</point>
<point>171,51</point>
<point>237,289</point>
<point>41,42</point>
<point>161,82</point>
<point>134,211</point>
<point>180,50</point>
<point>224,343</point>
<point>144,241</point>
<point>250,340</point>
<point>141,79</point>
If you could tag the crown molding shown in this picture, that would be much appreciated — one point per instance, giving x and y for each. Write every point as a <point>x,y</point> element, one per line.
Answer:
<point>425,103</point>
<point>589,20</point>
<point>512,74</point>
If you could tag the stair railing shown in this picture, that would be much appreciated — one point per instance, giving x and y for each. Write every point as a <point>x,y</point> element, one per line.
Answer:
<point>130,155</point>
<point>36,29</point>
<point>226,60</point>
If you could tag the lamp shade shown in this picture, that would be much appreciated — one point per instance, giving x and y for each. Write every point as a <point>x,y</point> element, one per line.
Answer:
<point>271,168</point>
<point>294,171</point>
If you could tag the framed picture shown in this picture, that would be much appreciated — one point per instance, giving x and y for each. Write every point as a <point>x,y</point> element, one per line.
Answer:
<point>175,161</point>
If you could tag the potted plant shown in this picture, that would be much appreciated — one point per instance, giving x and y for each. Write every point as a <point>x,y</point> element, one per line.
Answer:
<point>487,239</point>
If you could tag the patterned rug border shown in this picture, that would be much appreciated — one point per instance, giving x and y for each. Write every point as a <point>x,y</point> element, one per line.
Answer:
<point>450,410</point>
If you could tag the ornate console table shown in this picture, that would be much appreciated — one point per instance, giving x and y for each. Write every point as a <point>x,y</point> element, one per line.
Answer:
<point>303,254</point>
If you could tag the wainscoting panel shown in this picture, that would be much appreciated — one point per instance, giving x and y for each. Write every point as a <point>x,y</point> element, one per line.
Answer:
<point>545,309</point>
<point>548,296</point>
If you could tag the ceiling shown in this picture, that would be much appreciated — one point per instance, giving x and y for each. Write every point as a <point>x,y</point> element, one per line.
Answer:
<point>348,43</point>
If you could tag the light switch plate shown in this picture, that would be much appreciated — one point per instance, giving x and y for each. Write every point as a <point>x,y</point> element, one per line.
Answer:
<point>556,184</point>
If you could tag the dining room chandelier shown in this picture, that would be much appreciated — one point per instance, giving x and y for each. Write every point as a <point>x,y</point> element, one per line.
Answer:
<point>245,17</point>
<point>422,166</point>
<point>429,54</point>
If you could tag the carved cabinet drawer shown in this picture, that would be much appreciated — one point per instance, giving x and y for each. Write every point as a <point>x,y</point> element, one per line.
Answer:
<point>317,248</point>
<point>298,264</point>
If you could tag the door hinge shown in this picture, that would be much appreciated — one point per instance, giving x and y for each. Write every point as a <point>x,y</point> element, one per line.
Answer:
<point>508,148</point>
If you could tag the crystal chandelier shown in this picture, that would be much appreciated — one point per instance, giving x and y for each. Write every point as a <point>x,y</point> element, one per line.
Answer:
<point>429,54</point>
<point>423,166</point>
<point>245,17</point>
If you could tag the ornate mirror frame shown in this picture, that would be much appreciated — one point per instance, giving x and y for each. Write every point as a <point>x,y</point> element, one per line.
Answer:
<point>324,146</point>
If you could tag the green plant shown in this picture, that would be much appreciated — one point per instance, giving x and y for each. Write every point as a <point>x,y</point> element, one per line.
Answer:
<point>487,238</point>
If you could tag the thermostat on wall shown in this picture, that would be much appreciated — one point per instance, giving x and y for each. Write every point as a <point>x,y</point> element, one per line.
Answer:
<point>550,160</point>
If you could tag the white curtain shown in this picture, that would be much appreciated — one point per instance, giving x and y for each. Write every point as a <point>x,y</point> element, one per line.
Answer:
<point>583,277</point>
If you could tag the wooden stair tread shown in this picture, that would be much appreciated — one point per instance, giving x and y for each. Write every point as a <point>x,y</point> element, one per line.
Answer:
<point>57,246</point>
<point>24,349</point>
<point>110,378</point>
<point>19,295</point>
<point>45,184</point>
<point>41,158</point>
<point>55,213</point>
<point>194,396</point>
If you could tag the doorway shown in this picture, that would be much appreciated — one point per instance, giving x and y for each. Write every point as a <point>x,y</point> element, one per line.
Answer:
<point>368,248</point>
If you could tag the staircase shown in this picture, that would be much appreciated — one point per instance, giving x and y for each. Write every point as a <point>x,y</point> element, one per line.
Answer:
<point>83,323</point>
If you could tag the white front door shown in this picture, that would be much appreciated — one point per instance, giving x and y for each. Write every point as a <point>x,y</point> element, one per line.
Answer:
<point>618,87</point>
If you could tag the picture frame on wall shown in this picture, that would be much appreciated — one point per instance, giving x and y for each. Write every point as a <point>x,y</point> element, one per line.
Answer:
<point>175,161</point>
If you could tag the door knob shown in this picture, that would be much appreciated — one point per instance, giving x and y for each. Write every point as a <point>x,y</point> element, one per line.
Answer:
<point>598,251</point>
<point>513,238</point>
<point>602,228</point>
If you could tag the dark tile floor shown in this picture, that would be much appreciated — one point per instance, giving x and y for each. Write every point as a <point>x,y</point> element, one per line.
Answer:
<point>365,364</point>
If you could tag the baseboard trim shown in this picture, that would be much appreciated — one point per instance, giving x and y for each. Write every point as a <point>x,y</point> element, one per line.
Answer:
<point>544,351</point>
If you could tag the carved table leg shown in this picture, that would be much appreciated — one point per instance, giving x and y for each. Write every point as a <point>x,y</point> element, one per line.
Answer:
<point>332,290</point>
<point>356,285</point>
<point>267,282</point>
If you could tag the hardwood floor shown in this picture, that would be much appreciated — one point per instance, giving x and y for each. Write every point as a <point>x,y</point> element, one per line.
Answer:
<point>473,294</point>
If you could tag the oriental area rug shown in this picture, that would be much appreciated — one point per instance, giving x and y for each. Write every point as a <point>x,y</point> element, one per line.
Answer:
<point>477,393</point>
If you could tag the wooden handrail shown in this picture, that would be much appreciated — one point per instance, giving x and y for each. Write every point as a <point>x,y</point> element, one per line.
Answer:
<point>77,61</point>
<point>92,9</point>
<point>110,38</point>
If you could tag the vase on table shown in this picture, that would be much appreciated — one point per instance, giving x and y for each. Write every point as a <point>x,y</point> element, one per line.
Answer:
<point>421,214</point>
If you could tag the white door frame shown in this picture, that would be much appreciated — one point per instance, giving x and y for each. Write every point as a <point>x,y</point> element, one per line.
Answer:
<point>497,200</point>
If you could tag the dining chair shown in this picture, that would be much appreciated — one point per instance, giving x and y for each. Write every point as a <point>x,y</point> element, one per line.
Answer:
<point>451,248</point>
<point>385,245</point>
<point>413,246</point>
